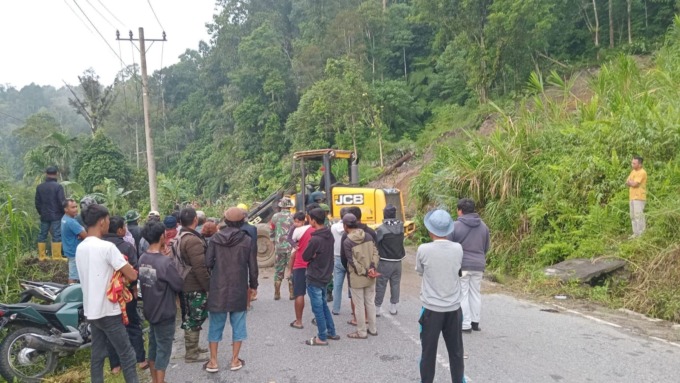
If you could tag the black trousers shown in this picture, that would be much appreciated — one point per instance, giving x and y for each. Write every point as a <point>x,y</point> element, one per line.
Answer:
<point>449,325</point>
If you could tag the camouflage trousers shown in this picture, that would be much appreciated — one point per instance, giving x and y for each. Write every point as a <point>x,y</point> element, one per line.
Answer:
<point>282,257</point>
<point>196,303</point>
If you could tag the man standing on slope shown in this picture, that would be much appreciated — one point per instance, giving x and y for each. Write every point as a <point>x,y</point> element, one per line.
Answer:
<point>637,192</point>
<point>49,202</point>
<point>439,262</point>
<point>473,235</point>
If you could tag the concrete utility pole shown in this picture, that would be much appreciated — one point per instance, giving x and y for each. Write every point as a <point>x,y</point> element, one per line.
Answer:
<point>150,160</point>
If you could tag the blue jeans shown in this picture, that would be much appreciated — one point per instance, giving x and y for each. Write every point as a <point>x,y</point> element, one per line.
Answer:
<point>324,319</point>
<point>72,269</point>
<point>160,343</point>
<point>216,322</point>
<point>53,227</point>
<point>339,273</point>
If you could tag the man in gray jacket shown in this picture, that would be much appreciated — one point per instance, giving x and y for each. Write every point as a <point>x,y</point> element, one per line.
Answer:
<point>473,234</point>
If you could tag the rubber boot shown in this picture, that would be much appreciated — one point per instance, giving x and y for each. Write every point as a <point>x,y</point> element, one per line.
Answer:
<point>277,290</point>
<point>56,252</point>
<point>42,251</point>
<point>290,289</point>
<point>192,353</point>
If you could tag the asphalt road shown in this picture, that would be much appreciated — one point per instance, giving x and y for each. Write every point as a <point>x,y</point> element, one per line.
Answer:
<point>518,343</point>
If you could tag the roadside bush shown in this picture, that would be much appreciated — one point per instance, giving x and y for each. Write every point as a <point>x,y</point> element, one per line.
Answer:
<point>550,179</point>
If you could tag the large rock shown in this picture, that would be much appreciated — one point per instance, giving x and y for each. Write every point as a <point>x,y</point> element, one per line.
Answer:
<point>583,270</point>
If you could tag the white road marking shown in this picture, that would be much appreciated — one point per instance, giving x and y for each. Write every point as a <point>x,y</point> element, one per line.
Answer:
<point>598,320</point>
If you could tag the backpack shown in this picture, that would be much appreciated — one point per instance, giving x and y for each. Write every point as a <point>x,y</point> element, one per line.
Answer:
<point>182,267</point>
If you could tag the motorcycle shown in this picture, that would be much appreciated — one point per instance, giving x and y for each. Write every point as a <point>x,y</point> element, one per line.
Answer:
<point>43,291</point>
<point>37,335</point>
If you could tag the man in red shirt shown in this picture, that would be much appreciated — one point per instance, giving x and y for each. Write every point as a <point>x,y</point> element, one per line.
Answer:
<point>304,233</point>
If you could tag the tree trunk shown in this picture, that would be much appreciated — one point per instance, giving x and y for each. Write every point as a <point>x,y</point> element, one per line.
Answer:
<point>405,70</point>
<point>611,25</point>
<point>630,34</point>
<point>646,17</point>
<point>384,5</point>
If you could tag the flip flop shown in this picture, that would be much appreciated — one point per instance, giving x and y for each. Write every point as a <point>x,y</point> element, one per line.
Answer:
<point>334,337</point>
<point>372,333</point>
<point>293,325</point>
<point>355,335</point>
<point>351,322</point>
<point>144,365</point>
<point>313,342</point>
<point>240,365</point>
<point>211,370</point>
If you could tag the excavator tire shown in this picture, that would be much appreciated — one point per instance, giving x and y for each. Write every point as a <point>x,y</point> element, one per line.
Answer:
<point>266,252</point>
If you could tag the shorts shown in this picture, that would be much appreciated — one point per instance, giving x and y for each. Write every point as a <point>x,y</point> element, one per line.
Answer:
<point>237,320</point>
<point>160,343</point>
<point>72,269</point>
<point>299,282</point>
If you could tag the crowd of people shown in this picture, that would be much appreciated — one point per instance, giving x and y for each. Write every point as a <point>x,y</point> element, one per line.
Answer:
<point>113,256</point>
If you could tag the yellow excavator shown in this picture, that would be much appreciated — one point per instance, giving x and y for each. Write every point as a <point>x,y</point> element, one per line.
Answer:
<point>336,194</point>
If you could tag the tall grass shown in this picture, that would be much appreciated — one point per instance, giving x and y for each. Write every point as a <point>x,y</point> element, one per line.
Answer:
<point>550,180</point>
<point>15,239</point>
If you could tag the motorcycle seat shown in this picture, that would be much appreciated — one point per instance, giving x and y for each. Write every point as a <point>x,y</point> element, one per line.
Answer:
<point>50,309</point>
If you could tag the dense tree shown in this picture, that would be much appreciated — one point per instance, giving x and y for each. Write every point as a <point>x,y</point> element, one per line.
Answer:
<point>100,158</point>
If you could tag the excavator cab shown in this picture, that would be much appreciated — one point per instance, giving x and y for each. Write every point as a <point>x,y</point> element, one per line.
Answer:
<point>337,194</point>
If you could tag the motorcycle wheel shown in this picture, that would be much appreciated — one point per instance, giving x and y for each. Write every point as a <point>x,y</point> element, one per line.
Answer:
<point>22,364</point>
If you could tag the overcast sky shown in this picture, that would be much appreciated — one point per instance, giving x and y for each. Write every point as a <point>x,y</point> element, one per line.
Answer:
<point>47,41</point>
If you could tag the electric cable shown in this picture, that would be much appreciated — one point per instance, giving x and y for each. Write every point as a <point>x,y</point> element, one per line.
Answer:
<point>154,15</point>
<point>99,33</point>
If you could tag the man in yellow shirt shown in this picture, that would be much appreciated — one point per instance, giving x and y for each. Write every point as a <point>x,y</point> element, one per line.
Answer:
<point>637,189</point>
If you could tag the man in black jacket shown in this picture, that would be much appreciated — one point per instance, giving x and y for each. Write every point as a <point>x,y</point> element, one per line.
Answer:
<point>390,236</point>
<point>234,274</point>
<point>319,254</point>
<point>132,220</point>
<point>49,202</point>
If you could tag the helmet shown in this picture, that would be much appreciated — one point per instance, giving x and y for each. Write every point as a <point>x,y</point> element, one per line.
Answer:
<point>285,203</point>
<point>242,206</point>
<point>131,216</point>
<point>86,202</point>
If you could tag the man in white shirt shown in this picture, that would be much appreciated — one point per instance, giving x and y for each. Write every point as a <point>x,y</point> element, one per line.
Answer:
<point>339,271</point>
<point>97,260</point>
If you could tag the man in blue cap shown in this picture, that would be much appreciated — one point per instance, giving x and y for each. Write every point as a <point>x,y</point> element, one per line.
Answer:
<point>439,263</point>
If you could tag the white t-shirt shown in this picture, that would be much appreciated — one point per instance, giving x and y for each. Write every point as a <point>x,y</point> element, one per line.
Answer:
<point>299,232</point>
<point>97,260</point>
<point>337,229</point>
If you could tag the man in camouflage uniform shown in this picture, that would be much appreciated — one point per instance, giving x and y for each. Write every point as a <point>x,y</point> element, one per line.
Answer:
<point>281,223</point>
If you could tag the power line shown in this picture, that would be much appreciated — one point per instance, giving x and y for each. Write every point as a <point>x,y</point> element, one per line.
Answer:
<point>154,15</point>
<point>100,14</point>
<point>78,16</point>
<point>99,33</point>
<point>10,116</point>
<point>111,13</point>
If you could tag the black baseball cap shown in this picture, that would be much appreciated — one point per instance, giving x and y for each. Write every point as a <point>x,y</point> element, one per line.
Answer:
<point>51,170</point>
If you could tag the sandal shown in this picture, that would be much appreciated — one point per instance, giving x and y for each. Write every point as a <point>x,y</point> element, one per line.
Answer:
<point>355,335</point>
<point>351,322</point>
<point>372,333</point>
<point>211,370</point>
<point>293,325</point>
<point>241,363</point>
<point>143,365</point>
<point>334,337</point>
<point>313,342</point>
